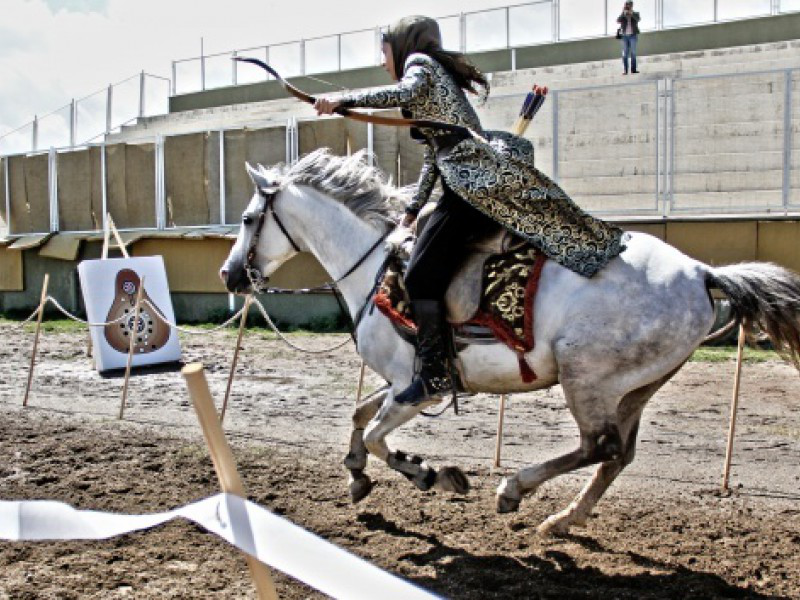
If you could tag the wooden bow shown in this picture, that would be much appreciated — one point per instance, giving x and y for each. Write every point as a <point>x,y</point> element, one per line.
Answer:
<point>357,116</point>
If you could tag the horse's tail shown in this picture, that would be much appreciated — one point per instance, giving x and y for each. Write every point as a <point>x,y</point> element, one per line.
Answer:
<point>764,296</point>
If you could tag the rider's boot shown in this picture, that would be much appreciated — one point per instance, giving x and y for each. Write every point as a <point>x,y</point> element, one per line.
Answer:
<point>433,379</point>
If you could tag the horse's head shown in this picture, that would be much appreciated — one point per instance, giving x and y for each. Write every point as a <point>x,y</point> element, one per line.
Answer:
<point>263,244</point>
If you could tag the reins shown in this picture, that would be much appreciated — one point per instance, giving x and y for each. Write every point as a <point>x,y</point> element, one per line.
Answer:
<point>258,281</point>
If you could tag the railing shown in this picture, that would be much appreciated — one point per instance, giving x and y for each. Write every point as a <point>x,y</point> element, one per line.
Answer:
<point>711,144</point>
<point>88,119</point>
<point>528,24</point>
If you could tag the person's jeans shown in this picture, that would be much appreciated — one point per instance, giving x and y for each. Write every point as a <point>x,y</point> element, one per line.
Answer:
<point>629,51</point>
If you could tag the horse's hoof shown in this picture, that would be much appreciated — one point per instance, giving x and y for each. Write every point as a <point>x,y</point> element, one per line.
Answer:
<point>554,526</point>
<point>508,496</point>
<point>360,487</point>
<point>452,479</point>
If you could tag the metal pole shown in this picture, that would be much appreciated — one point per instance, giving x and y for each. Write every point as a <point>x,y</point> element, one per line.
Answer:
<point>52,177</point>
<point>787,137</point>
<point>555,16</point>
<point>161,217</point>
<point>222,197</point>
<point>35,134</point>
<point>141,94</point>
<point>659,83</point>
<point>508,29</point>
<point>104,185</point>
<point>716,11</point>
<point>555,135</point>
<point>339,51</point>
<point>513,59</point>
<point>202,66</point>
<point>109,107</point>
<point>671,149</point>
<point>7,184</point>
<point>302,57</point>
<point>234,71</point>
<point>174,77</point>
<point>73,120</point>
<point>462,30</point>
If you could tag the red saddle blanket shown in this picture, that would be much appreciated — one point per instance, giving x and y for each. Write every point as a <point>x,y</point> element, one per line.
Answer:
<point>510,282</point>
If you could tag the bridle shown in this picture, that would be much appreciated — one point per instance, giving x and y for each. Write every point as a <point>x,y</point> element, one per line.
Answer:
<point>254,275</point>
<point>259,282</point>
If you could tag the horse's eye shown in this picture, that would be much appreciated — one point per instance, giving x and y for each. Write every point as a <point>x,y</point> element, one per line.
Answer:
<point>247,220</point>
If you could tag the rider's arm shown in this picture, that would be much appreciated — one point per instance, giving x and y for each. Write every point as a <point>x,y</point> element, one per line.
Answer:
<point>415,81</point>
<point>427,179</point>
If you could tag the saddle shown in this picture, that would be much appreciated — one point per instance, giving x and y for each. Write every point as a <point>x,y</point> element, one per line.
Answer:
<point>489,300</point>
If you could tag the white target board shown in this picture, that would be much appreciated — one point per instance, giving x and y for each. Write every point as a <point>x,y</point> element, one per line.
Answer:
<point>109,290</point>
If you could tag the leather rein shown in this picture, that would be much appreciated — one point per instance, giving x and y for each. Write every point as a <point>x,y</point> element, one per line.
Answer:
<point>259,282</point>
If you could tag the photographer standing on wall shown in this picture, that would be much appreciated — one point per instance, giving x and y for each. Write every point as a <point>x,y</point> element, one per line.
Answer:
<point>629,27</point>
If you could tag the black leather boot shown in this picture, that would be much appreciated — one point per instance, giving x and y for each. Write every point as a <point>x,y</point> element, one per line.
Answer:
<point>433,379</point>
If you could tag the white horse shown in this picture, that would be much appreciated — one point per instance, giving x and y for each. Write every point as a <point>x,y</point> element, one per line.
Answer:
<point>611,341</point>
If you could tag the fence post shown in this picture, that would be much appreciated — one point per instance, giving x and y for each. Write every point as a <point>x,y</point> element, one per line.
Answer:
<point>234,72</point>
<point>52,187</point>
<point>462,32</point>
<point>222,197</point>
<point>109,108</point>
<point>787,137</point>
<point>73,120</point>
<point>141,94</point>
<point>554,96</point>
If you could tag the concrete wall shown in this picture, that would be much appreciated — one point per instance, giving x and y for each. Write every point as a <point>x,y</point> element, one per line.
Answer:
<point>685,39</point>
<point>198,295</point>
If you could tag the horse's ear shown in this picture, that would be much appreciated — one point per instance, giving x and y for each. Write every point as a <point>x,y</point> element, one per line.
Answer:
<point>256,177</point>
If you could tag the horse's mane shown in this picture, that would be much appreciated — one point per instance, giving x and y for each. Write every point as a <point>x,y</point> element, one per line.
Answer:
<point>362,188</point>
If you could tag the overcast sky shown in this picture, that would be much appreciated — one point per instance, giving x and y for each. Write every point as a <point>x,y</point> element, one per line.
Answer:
<point>55,50</point>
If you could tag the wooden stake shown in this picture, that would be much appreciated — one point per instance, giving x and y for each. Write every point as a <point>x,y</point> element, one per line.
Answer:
<point>499,442</point>
<point>42,301</point>
<point>360,382</point>
<point>112,228</point>
<point>242,324</point>
<point>132,342</point>
<point>734,408</point>
<point>224,464</point>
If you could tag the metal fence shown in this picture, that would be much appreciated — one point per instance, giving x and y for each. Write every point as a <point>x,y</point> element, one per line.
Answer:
<point>528,24</point>
<point>712,144</point>
<point>87,119</point>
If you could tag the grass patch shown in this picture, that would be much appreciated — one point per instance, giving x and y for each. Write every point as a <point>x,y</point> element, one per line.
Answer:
<point>49,325</point>
<point>715,354</point>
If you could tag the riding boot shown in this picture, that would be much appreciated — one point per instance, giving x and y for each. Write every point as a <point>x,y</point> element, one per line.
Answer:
<point>433,379</point>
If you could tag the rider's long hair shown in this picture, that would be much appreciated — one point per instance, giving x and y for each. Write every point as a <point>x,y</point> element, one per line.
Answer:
<point>421,34</point>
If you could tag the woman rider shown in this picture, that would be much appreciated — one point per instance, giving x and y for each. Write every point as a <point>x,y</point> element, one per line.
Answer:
<point>488,180</point>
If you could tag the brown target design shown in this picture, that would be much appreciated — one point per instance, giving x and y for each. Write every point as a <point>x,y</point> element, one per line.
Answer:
<point>151,331</point>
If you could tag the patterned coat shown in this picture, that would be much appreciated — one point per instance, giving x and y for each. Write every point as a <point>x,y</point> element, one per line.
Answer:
<point>497,176</point>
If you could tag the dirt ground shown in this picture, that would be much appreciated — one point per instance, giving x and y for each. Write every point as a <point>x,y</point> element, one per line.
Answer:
<point>664,530</point>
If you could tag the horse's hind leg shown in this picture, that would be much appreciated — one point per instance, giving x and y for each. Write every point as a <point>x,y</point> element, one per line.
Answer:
<point>356,460</point>
<point>630,414</point>
<point>391,416</point>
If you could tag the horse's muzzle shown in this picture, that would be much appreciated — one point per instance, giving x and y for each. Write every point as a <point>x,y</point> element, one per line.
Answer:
<point>235,280</point>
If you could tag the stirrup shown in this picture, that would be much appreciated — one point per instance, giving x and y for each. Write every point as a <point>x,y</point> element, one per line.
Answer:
<point>417,392</point>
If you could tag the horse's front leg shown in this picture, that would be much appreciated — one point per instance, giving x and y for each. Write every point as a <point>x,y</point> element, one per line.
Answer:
<point>391,416</point>
<point>356,460</point>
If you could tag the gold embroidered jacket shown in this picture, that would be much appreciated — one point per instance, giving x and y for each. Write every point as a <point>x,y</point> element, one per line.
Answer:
<point>497,176</point>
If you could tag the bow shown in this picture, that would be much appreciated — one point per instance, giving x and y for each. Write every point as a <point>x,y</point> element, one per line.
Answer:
<point>357,116</point>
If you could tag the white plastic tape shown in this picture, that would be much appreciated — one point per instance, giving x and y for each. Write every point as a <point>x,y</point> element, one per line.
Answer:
<point>251,528</point>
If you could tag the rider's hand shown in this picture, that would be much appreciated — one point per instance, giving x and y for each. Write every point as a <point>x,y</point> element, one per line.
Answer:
<point>408,219</point>
<point>400,242</point>
<point>325,106</point>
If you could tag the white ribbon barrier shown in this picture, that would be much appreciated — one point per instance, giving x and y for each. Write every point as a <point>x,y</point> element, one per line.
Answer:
<point>251,528</point>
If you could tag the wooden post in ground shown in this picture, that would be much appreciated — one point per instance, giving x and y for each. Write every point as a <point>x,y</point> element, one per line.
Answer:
<point>134,330</point>
<point>242,324</point>
<point>499,442</point>
<point>734,408</point>
<point>224,464</point>
<point>42,301</point>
